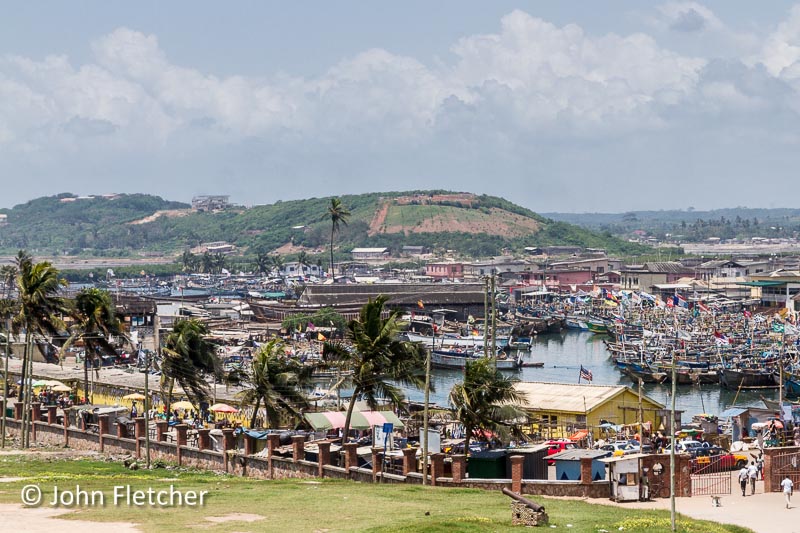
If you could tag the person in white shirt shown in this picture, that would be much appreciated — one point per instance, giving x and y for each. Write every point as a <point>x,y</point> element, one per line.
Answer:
<point>743,479</point>
<point>787,490</point>
<point>752,473</point>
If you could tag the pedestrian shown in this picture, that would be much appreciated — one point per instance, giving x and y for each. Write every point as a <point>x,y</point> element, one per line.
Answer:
<point>743,479</point>
<point>752,474</point>
<point>787,486</point>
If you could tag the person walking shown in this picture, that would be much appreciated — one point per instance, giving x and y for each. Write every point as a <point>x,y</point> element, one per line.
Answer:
<point>743,479</point>
<point>787,486</point>
<point>752,474</point>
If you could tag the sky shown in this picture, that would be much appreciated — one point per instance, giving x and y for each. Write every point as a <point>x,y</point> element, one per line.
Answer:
<point>557,106</point>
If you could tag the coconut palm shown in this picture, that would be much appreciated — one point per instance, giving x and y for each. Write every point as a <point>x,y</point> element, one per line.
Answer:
<point>338,214</point>
<point>39,313</point>
<point>379,361</point>
<point>278,382</point>
<point>277,264</point>
<point>485,400</point>
<point>8,276</point>
<point>302,262</point>
<point>263,263</point>
<point>95,322</point>
<point>188,357</point>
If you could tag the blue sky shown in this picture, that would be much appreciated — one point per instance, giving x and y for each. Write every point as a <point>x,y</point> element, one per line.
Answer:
<point>571,106</point>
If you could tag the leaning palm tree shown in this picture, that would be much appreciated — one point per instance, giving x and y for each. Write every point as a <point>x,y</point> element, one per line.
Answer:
<point>485,400</point>
<point>381,363</point>
<point>278,382</point>
<point>39,313</point>
<point>95,322</point>
<point>188,357</point>
<point>338,214</point>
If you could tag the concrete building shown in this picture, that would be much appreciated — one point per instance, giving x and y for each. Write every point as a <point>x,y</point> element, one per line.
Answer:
<point>646,276</point>
<point>205,203</point>
<point>370,254</point>
<point>445,270</point>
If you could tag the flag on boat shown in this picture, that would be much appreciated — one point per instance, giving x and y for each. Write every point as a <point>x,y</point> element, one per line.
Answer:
<point>747,313</point>
<point>586,374</point>
<point>790,329</point>
<point>721,339</point>
<point>702,307</point>
<point>777,327</point>
<point>420,304</point>
<point>684,335</point>
<point>321,337</point>
<point>311,327</point>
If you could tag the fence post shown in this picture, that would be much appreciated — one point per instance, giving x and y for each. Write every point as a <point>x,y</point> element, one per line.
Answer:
<point>377,462</point>
<point>52,417</point>
<point>102,425</point>
<point>517,462</point>
<point>323,457</point>
<point>437,467</point>
<point>161,430</point>
<point>350,456</point>
<point>298,448</point>
<point>180,440</point>
<point>138,432</point>
<point>228,444</point>
<point>273,443</point>
<point>409,460</point>
<point>459,468</point>
<point>203,439</point>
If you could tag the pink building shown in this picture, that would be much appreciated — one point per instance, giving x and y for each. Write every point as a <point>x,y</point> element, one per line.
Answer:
<point>445,270</point>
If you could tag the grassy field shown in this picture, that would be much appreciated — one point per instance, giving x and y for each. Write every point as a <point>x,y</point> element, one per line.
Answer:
<point>327,505</point>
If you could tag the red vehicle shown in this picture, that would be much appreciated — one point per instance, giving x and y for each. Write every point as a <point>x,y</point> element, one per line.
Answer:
<point>556,446</point>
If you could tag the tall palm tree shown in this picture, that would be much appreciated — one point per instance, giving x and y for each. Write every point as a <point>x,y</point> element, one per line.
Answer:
<point>277,263</point>
<point>338,214</point>
<point>39,313</point>
<point>95,322</point>
<point>376,357</point>
<point>302,262</point>
<point>263,263</point>
<point>485,400</point>
<point>278,382</point>
<point>8,309</point>
<point>188,357</point>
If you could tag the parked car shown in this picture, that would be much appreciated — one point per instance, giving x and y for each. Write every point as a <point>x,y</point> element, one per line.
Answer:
<point>556,446</point>
<point>686,446</point>
<point>620,448</point>
<point>720,459</point>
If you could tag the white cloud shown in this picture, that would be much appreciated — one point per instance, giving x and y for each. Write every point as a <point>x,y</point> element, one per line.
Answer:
<point>530,91</point>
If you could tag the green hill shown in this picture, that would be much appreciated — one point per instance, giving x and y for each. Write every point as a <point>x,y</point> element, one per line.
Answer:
<point>475,225</point>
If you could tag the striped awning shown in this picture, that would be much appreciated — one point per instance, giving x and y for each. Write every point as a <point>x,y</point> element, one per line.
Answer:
<point>358,420</point>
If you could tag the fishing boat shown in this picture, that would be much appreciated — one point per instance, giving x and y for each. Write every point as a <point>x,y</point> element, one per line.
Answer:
<point>573,322</point>
<point>451,359</point>
<point>596,326</point>
<point>474,342</point>
<point>747,378</point>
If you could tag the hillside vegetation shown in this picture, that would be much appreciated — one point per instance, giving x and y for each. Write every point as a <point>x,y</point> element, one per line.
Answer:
<point>475,225</point>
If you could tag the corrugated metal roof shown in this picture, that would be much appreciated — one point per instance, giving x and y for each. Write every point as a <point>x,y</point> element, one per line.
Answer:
<point>568,397</point>
<point>577,454</point>
<point>732,411</point>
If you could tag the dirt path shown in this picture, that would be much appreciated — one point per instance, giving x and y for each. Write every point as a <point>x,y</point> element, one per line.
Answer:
<point>46,520</point>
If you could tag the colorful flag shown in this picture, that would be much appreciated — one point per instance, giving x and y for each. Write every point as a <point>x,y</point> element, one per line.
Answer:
<point>420,304</point>
<point>777,327</point>
<point>721,339</point>
<point>747,313</point>
<point>311,326</point>
<point>701,306</point>
<point>585,374</point>
<point>321,337</point>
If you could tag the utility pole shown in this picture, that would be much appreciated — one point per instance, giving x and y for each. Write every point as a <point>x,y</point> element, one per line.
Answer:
<point>486,316</point>
<point>425,414</point>
<point>672,440</point>
<point>5,384</point>
<point>494,323</point>
<point>157,350</point>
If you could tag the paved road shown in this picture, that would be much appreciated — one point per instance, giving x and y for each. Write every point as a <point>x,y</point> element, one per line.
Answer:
<point>763,513</point>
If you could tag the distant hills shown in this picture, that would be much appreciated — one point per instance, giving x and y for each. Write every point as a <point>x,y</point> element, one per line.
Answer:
<point>691,225</point>
<point>129,224</point>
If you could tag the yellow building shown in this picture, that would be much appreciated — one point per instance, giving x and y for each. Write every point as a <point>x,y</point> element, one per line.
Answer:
<point>558,410</point>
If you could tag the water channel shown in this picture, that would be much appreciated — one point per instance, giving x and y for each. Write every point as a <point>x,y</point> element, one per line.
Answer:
<point>564,353</point>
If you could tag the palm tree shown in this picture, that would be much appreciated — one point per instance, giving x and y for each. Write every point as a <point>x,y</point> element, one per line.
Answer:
<point>206,262</point>
<point>189,261</point>
<point>8,275</point>
<point>95,322</point>
<point>39,313</point>
<point>338,214</point>
<point>379,361</point>
<point>188,356</point>
<point>485,400</point>
<point>277,263</point>
<point>263,263</point>
<point>278,382</point>
<point>302,262</point>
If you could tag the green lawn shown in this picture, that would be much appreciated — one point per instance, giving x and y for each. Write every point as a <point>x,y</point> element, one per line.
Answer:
<point>327,505</point>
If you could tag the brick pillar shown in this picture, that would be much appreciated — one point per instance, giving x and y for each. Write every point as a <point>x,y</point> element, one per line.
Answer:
<point>203,439</point>
<point>228,444</point>
<point>323,457</point>
<point>586,471</point>
<point>18,411</point>
<point>162,427</point>
<point>52,416</point>
<point>517,462</point>
<point>273,442</point>
<point>249,444</point>
<point>683,478</point>
<point>122,430</point>
<point>768,470</point>
<point>298,448</point>
<point>180,440</point>
<point>139,429</point>
<point>103,423</point>
<point>36,412</point>
<point>437,467</point>
<point>459,468</point>
<point>377,462</point>
<point>409,460</point>
<point>350,455</point>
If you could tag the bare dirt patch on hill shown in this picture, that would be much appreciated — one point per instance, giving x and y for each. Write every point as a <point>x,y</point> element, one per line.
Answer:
<point>169,213</point>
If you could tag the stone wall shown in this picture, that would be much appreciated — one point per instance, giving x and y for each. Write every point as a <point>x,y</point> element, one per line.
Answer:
<point>233,461</point>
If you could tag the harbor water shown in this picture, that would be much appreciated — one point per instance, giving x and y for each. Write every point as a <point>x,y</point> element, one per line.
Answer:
<point>564,353</point>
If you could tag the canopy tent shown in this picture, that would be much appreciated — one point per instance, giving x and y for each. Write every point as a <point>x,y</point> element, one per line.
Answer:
<point>358,420</point>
